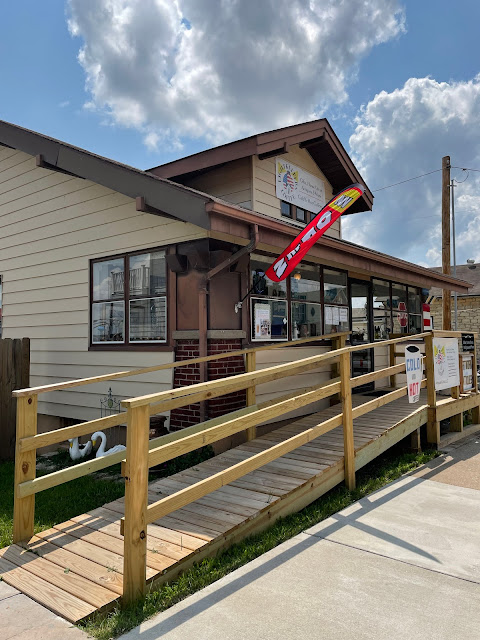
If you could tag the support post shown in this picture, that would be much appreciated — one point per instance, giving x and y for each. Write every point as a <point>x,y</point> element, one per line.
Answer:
<point>348,441</point>
<point>446,262</point>
<point>393,378</point>
<point>456,421</point>
<point>25,467</point>
<point>475,410</point>
<point>433,426</point>
<point>337,343</point>
<point>251,365</point>
<point>136,501</point>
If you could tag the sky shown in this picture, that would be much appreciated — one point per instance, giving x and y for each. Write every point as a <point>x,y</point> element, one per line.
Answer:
<point>147,81</point>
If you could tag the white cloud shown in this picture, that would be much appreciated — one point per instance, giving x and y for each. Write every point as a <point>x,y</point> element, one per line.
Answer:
<point>220,69</point>
<point>406,133</point>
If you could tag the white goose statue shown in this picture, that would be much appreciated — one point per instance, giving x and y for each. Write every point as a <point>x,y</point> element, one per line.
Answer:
<point>101,449</point>
<point>78,452</point>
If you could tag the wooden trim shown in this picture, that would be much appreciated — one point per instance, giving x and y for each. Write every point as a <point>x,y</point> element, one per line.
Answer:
<point>449,407</point>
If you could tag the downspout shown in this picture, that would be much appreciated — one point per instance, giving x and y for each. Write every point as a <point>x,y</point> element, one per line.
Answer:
<point>203,305</point>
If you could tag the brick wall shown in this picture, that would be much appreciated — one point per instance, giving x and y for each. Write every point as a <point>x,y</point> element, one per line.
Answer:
<point>190,374</point>
<point>468,315</point>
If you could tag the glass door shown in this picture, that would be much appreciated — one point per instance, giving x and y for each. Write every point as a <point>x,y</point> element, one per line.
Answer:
<point>361,314</point>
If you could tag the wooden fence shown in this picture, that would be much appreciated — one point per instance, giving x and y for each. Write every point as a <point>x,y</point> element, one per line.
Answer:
<point>141,454</point>
<point>14,374</point>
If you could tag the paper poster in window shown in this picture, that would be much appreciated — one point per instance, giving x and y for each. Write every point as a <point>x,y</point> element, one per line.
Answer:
<point>263,322</point>
<point>343,314</point>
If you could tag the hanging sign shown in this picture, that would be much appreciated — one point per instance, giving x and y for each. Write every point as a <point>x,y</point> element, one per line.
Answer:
<point>445,363</point>
<point>307,237</point>
<point>299,187</point>
<point>414,368</point>
<point>402,315</point>
<point>468,342</point>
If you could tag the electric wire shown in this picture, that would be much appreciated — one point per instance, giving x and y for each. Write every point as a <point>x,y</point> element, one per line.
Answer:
<point>408,180</point>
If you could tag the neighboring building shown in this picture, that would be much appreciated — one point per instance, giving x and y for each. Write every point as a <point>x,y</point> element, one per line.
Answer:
<point>468,303</point>
<point>195,237</point>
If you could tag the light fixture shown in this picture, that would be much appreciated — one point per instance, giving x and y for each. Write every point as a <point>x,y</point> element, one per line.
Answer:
<point>297,275</point>
<point>471,263</point>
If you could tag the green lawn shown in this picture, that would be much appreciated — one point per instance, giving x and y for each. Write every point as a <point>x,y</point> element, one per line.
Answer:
<point>375,475</point>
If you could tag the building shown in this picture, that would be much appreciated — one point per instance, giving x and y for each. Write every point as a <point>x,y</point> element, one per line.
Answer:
<point>107,267</point>
<point>468,303</point>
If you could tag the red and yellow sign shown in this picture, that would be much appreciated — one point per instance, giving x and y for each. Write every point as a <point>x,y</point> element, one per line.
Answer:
<point>294,253</point>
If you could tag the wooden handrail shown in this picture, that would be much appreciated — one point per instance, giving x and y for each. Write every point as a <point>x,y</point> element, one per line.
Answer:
<point>58,386</point>
<point>283,370</point>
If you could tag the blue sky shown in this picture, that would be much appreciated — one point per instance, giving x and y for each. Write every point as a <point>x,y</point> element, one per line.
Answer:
<point>159,80</point>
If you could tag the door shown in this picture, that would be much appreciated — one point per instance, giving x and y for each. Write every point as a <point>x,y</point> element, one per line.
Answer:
<point>362,331</point>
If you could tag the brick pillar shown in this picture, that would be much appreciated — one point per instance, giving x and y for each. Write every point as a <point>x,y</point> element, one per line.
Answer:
<point>183,376</point>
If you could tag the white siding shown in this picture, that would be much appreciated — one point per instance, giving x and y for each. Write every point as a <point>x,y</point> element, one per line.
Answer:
<point>232,182</point>
<point>264,199</point>
<point>51,225</point>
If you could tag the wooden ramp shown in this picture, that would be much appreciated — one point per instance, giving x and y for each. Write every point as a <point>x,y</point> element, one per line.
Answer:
<point>76,568</point>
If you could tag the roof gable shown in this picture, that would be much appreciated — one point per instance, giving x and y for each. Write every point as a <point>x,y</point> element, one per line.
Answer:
<point>316,136</point>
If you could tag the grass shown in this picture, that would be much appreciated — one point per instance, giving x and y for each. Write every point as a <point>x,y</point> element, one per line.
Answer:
<point>381,471</point>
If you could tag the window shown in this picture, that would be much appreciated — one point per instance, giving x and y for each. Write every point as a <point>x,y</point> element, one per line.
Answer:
<point>295,213</point>
<point>397,309</point>
<point>268,303</point>
<point>132,310</point>
<point>293,309</point>
<point>305,291</point>
<point>336,301</point>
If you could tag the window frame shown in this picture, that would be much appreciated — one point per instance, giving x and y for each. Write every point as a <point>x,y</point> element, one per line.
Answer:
<point>408,288</point>
<point>309,215</point>
<point>127,345</point>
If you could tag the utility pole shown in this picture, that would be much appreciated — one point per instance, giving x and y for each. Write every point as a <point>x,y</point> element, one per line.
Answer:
<point>455,309</point>
<point>447,301</point>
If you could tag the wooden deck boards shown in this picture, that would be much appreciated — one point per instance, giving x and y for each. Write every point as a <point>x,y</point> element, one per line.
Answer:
<point>76,567</point>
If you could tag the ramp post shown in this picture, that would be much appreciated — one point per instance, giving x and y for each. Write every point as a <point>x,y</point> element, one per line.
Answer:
<point>433,425</point>
<point>25,468</point>
<point>136,500</point>
<point>348,442</point>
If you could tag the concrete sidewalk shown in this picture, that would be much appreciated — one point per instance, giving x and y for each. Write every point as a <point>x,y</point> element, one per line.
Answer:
<point>23,619</point>
<point>402,563</point>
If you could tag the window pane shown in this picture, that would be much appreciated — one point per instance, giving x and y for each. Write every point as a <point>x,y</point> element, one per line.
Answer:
<point>399,295</point>
<point>148,320</point>
<point>336,319</point>
<point>335,287</point>
<point>108,278</point>
<point>306,320</point>
<point>414,324</point>
<point>261,285</point>
<point>305,283</point>
<point>382,323</point>
<point>108,322</point>
<point>269,319</point>
<point>148,274</point>
<point>286,209</point>
<point>301,215</point>
<point>414,301</point>
<point>381,295</point>
<point>400,322</point>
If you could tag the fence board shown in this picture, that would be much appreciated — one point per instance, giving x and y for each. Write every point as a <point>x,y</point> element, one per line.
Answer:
<point>14,374</point>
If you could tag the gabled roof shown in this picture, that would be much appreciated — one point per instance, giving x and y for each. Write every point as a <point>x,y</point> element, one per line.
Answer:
<point>317,136</point>
<point>163,195</point>
<point>470,273</point>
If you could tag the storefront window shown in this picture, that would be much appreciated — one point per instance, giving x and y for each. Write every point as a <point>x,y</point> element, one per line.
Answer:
<point>269,319</point>
<point>336,301</point>
<point>382,311</point>
<point>263,286</point>
<point>305,291</point>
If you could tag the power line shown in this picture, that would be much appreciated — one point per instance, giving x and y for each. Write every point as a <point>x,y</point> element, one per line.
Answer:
<point>410,179</point>
<point>465,169</point>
